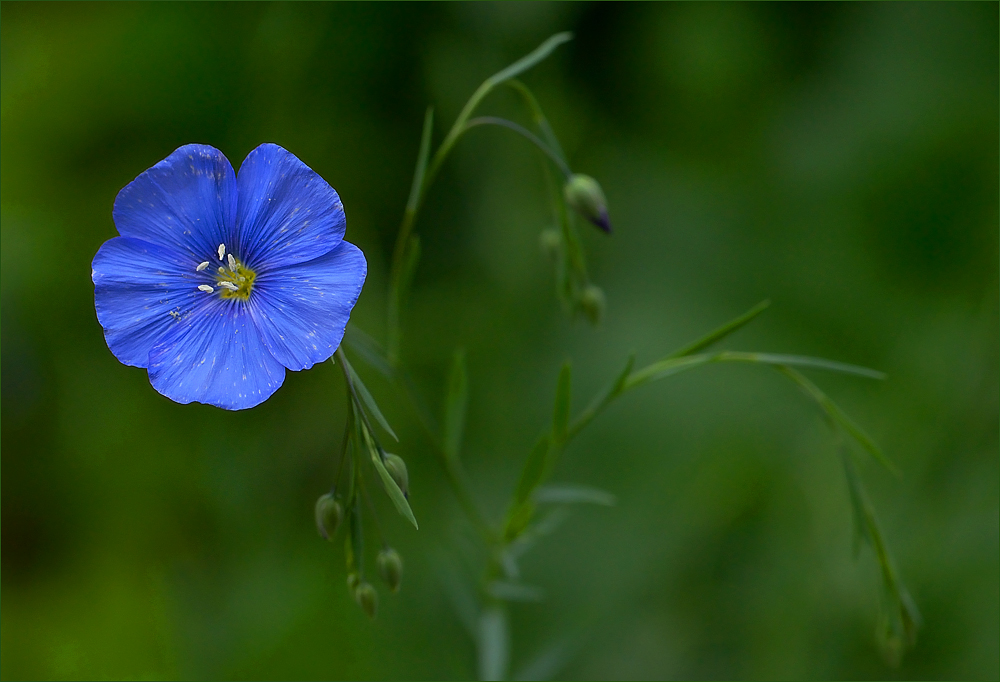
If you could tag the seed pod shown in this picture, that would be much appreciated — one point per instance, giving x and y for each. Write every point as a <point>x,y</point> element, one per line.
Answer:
<point>390,568</point>
<point>329,514</point>
<point>585,196</point>
<point>367,598</point>
<point>396,467</point>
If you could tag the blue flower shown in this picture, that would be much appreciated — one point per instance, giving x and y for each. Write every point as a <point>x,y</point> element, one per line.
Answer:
<point>219,282</point>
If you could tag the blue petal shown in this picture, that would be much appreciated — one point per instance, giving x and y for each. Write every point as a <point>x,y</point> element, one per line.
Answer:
<point>287,213</point>
<point>140,291</point>
<point>186,202</point>
<point>302,310</point>
<point>215,356</point>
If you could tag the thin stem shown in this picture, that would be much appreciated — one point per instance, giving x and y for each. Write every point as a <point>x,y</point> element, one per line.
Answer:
<point>371,506</point>
<point>523,132</point>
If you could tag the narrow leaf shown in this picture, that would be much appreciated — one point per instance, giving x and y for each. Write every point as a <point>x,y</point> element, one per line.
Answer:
<point>839,417</point>
<point>560,413</point>
<point>529,60</point>
<point>534,469</point>
<point>395,494</point>
<point>422,155</point>
<point>455,405</point>
<point>571,493</point>
<point>366,397</point>
<point>722,332</point>
<point>801,361</point>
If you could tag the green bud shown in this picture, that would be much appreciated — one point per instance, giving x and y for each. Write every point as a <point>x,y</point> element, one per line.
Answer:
<point>551,241</point>
<point>390,567</point>
<point>329,514</point>
<point>367,598</point>
<point>592,302</point>
<point>396,467</point>
<point>353,580</point>
<point>585,196</point>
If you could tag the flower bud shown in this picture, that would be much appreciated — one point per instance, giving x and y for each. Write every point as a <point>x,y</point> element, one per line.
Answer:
<point>367,598</point>
<point>592,302</point>
<point>550,240</point>
<point>396,467</point>
<point>329,514</point>
<point>353,580</point>
<point>390,567</point>
<point>585,196</point>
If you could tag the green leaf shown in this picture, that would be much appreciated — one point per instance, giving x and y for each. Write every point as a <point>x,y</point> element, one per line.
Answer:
<point>571,493</point>
<point>839,417</point>
<point>722,332</point>
<point>560,413</point>
<point>455,405</point>
<point>533,471</point>
<point>369,402</point>
<point>800,361</point>
<point>395,494</point>
<point>529,60</point>
<point>422,156</point>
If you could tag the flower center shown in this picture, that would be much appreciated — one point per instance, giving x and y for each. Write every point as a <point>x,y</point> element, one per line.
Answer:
<point>232,279</point>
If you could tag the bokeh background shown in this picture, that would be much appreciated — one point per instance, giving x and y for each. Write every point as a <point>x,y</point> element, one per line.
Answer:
<point>839,159</point>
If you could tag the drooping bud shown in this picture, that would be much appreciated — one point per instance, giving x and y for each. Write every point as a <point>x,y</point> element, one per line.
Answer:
<point>550,240</point>
<point>367,598</point>
<point>329,514</point>
<point>390,568</point>
<point>396,467</point>
<point>592,303</point>
<point>585,196</point>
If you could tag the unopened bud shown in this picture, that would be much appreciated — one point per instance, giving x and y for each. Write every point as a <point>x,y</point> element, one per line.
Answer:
<point>367,598</point>
<point>353,580</point>
<point>550,240</point>
<point>329,514</point>
<point>396,467</point>
<point>390,567</point>
<point>592,302</point>
<point>585,196</point>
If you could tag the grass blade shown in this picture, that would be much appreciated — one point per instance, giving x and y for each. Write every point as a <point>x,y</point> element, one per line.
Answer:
<point>722,332</point>
<point>571,493</point>
<point>369,351</point>
<point>422,156</point>
<point>529,60</point>
<point>367,399</point>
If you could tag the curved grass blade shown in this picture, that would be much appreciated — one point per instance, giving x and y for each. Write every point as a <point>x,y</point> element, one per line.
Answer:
<point>422,156</point>
<point>722,332</point>
<point>529,60</point>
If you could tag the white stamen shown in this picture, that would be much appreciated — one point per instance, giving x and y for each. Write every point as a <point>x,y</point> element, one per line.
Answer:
<point>222,271</point>
<point>222,251</point>
<point>228,285</point>
<point>207,289</point>
<point>232,262</point>
<point>201,266</point>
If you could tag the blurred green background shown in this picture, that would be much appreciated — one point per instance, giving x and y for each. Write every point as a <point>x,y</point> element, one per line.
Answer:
<point>839,159</point>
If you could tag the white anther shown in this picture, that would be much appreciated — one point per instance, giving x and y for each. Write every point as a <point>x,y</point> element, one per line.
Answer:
<point>228,285</point>
<point>201,266</point>
<point>232,262</point>
<point>222,271</point>
<point>207,289</point>
<point>222,251</point>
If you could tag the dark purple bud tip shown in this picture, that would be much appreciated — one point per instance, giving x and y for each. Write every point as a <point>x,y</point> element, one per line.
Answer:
<point>584,195</point>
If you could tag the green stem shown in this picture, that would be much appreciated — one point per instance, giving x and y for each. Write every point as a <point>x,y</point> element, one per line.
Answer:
<point>527,134</point>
